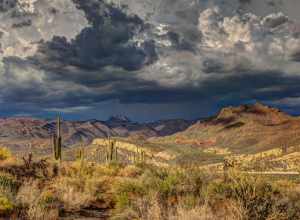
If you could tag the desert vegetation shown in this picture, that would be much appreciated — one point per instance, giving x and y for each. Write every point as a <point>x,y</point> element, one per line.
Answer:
<point>51,189</point>
<point>118,180</point>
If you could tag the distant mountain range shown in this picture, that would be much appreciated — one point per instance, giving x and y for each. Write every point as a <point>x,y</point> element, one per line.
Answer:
<point>243,129</point>
<point>18,132</point>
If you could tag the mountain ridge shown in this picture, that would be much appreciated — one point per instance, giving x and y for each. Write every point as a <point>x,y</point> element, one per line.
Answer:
<point>245,128</point>
<point>242,129</point>
<point>20,131</point>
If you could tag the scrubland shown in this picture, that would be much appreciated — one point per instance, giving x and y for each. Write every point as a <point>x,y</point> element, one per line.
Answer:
<point>46,189</point>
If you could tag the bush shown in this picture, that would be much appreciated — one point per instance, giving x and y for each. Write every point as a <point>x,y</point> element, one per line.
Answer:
<point>71,191</point>
<point>6,206</point>
<point>28,194</point>
<point>148,192</point>
<point>48,200</point>
<point>5,153</point>
<point>256,195</point>
<point>127,191</point>
<point>130,171</point>
<point>37,202</point>
<point>8,183</point>
<point>287,204</point>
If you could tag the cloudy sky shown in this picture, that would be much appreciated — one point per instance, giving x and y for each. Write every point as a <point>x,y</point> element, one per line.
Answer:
<point>147,59</point>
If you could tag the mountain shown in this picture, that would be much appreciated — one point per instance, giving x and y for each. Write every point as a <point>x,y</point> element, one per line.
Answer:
<point>246,129</point>
<point>19,132</point>
<point>243,129</point>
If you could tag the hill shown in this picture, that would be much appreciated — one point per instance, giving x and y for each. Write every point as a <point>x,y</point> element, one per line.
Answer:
<point>246,134</point>
<point>17,133</point>
<point>242,129</point>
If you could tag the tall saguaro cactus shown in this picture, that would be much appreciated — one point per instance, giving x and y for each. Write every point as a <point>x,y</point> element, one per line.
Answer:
<point>138,156</point>
<point>80,153</point>
<point>111,151</point>
<point>57,140</point>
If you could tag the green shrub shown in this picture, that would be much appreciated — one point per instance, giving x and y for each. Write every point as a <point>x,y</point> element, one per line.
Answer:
<point>48,200</point>
<point>122,200</point>
<point>256,195</point>
<point>127,191</point>
<point>8,183</point>
<point>169,185</point>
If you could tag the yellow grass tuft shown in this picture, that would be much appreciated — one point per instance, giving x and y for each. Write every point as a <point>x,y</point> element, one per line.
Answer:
<point>6,206</point>
<point>4,153</point>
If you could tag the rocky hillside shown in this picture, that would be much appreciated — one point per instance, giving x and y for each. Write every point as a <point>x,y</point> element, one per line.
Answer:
<point>243,129</point>
<point>22,131</point>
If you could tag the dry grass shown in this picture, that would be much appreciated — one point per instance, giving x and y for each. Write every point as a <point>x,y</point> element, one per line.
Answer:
<point>230,210</point>
<point>146,192</point>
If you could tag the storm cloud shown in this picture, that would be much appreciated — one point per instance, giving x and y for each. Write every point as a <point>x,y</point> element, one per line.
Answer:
<point>74,56</point>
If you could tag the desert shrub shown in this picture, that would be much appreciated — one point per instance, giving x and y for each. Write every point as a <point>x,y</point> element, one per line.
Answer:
<point>6,205</point>
<point>152,193</point>
<point>256,195</point>
<point>197,213</point>
<point>97,188</point>
<point>181,187</point>
<point>130,171</point>
<point>28,194</point>
<point>39,212</point>
<point>134,194</point>
<point>111,170</point>
<point>48,200</point>
<point>174,184</point>
<point>127,214</point>
<point>168,187</point>
<point>71,192</point>
<point>46,206</point>
<point>4,153</point>
<point>287,204</point>
<point>80,183</point>
<point>126,191</point>
<point>79,191</point>
<point>194,183</point>
<point>78,169</point>
<point>162,189</point>
<point>37,202</point>
<point>8,184</point>
<point>7,180</point>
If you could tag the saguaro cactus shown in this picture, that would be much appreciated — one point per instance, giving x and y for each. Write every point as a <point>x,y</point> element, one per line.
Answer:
<point>143,157</point>
<point>111,151</point>
<point>57,141</point>
<point>139,156</point>
<point>80,153</point>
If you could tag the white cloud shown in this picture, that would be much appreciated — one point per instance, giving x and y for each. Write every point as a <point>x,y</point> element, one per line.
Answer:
<point>230,45</point>
<point>288,101</point>
<point>38,20</point>
<point>26,6</point>
<point>70,109</point>
<point>267,38</point>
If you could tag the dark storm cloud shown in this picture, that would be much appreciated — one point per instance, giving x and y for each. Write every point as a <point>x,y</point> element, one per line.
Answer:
<point>107,42</point>
<point>268,85</point>
<point>296,56</point>
<point>7,5</point>
<point>187,52</point>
